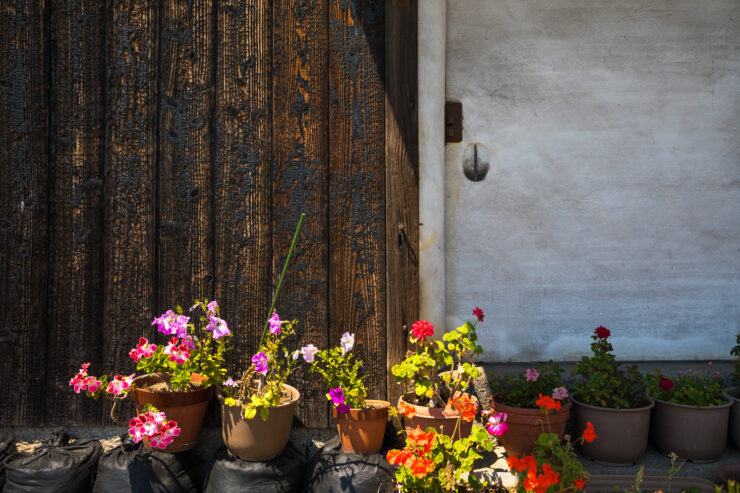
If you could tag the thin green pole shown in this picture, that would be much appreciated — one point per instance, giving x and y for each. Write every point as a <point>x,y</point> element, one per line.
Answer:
<point>282,276</point>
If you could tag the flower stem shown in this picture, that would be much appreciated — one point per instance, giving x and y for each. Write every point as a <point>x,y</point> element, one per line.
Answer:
<point>282,276</point>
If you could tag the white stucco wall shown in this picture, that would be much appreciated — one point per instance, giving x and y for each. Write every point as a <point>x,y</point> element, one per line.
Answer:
<point>613,195</point>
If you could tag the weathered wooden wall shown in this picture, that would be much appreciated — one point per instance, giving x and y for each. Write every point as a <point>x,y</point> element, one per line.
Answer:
<point>156,152</point>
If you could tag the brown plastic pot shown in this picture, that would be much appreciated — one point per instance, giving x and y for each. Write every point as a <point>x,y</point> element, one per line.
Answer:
<point>187,408</point>
<point>362,430</point>
<point>622,433</point>
<point>733,395</point>
<point>255,439</point>
<point>526,425</point>
<point>609,483</point>
<point>442,419</point>
<point>695,433</point>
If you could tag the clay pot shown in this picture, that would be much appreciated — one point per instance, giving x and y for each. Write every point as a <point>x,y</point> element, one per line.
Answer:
<point>622,433</point>
<point>444,420</point>
<point>733,395</point>
<point>187,408</point>
<point>255,439</point>
<point>696,433</point>
<point>526,425</point>
<point>362,430</point>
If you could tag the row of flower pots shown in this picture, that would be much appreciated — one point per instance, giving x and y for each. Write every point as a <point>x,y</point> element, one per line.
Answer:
<point>688,415</point>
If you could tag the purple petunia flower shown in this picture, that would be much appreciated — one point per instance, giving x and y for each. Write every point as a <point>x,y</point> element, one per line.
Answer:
<point>274,322</point>
<point>337,396</point>
<point>343,408</point>
<point>212,307</point>
<point>259,361</point>
<point>309,352</point>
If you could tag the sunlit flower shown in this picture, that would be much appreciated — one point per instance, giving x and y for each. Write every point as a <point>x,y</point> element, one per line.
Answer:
<point>309,352</point>
<point>548,403</point>
<point>230,382</point>
<point>478,314</point>
<point>274,323</point>
<point>421,330</point>
<point>496,424</point>
<point>212,307</point>
<point>347,342</point>
<point>343,408</point>
<point>93,384</point>
<point>259,361</point>
<point>336,395</point>
<point>218,327</point>
<point>120,384</point>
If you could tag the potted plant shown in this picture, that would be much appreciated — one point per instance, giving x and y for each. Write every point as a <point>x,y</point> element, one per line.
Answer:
<point>691,415</point>
<point>427,390</point>
<point>361,422</point>
<point>552,466</point>
<point>257,410</point>
<point>732,393</point>
<point>612,398</point>
<point>520,398</point>
<point>179,375</point>
<point>435,462</point>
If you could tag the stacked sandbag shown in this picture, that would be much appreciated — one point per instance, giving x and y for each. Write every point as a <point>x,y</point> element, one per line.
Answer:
<point>7,448</point>
<point>132,468</point>
<point>283,474</point>
<point>56,467</point>
<point>333,471</point>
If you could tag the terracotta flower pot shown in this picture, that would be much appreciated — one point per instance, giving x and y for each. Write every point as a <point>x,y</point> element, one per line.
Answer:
<point>362,430</point>
<point>255,439</point>
<point>442,419</point>
<point>187,408</point>
<point>622,433</point>
<point>733,395</point>
<point>526,425</point>
<point>696,433</point>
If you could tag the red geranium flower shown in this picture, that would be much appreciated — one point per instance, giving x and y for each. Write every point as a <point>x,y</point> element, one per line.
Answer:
<point>421,329</point>
<point>548,403</point>
<point>589,434</point>
<point>666,384</point>
<point>602,332</point>
<point>478,313</point>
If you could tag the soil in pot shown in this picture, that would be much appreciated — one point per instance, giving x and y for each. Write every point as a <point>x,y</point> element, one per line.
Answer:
<point>442,419</point>
<point>362,430</point>
<point>623,433</point>
<point>733,395</point>
<point>187,408</point>
<point>526,425</point>
<point>695,433</point>
<point>255,439</point>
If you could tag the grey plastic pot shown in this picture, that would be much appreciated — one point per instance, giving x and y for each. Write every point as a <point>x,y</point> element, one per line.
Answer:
<point>695,433</point>
<point>622,433</point>
<point>732,394</point>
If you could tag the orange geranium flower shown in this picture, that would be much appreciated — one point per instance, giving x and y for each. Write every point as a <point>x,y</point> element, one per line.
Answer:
<point>406,409</point>
<point>397,456</point>
<point>421,467</point>
<point>548,403</point>
<point>589,434</point>
<point>527,462</point>
<point>465,407</point>
<point>422,439</point>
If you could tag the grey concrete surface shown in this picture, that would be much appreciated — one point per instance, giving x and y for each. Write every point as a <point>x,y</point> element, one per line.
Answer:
<point>613,191</point>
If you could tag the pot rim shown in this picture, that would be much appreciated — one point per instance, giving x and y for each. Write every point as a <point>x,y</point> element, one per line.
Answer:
<point>292,389</point>
<point>171,392</point>
<point>439,412</point>
<point>729,403</point>
<point>650,405</point>
<point>366,412</point>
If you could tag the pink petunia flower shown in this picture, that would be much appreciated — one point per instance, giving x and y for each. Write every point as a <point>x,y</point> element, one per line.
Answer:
<point>274,323</point>
<point>93,384</point>
<point>217,327</point>
<point>347,342</point>
<point>259,361</point>
<point>212,307</point>
<point>309,352</point>
<point>120,384</point>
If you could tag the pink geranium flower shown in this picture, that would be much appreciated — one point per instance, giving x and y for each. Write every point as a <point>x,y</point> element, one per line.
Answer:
<point>496,424</point>
<point>120,384</point>
<point>93,384</point>
<point>560,393</point>
<point>532,375</point>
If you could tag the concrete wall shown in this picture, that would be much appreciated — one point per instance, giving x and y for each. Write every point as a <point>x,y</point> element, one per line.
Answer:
<point>613,191</point>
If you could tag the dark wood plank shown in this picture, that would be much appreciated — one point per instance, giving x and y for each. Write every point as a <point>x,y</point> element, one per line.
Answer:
<point>130,169</point>
<point>243,128</point>
<point>185,178</point>
<point>402,182</point>
<point>23,209</point>
<point>76,205</point>
<point>357,182</point>
<point>300,98</point>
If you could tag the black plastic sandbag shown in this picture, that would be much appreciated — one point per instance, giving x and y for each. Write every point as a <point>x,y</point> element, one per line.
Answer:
<point>333,471</point>
<point>56,467</point>
<point>7,448</point>
<point>132,468</point>
<point>283,474</point>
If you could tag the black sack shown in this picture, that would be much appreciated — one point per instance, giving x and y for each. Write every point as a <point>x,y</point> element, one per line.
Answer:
<point>333,471</point>
<point>56,467</point>
<point>283,474</point>
<point>7,448</point>
<point>132,468</point>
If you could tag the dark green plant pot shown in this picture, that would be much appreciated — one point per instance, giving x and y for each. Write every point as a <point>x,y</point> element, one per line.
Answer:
<point>622,433</point>
<point>733,395</point>
<point>695,433</point>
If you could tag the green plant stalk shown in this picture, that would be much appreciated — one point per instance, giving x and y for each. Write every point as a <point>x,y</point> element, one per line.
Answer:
<point>282,276</point>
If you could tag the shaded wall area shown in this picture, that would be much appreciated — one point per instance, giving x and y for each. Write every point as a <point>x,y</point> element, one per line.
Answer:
<point>157,152</point>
